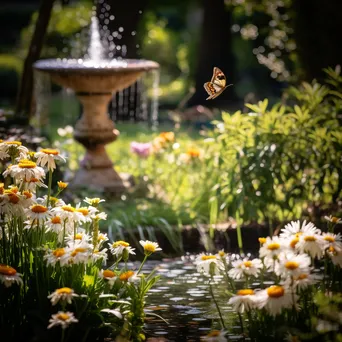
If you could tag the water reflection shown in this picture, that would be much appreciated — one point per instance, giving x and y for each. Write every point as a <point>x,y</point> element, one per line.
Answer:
<point>182,298</point>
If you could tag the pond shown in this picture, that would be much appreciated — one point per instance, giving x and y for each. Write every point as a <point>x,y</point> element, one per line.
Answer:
<point>182,298</point>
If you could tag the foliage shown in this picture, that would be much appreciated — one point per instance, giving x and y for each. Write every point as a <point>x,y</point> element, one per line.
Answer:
<point>51,250</point>
<point>10,69</point>
<point>271,163</point>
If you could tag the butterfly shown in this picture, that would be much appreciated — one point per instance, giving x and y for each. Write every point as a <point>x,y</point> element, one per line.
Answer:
<point>217,84</point>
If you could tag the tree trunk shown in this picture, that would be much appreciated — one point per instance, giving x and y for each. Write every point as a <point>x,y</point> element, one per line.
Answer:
<point>317,29</point>
<point>24,99</point>
<point>215,50</point>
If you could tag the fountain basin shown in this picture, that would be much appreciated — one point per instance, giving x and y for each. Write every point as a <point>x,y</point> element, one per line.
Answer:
<point>94,83</point>
<point>105,76</point>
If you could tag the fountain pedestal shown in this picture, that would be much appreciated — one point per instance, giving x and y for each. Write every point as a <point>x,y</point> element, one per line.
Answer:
<point>94,85</point>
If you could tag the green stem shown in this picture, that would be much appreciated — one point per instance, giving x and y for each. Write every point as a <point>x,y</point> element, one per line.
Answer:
<point>63,335</point>
<point>145,258</point>
<point>216,304</point>
<point>239,238</point>
<point>49,188</point>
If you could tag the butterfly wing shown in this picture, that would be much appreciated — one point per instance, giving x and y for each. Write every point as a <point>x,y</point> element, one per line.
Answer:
<point>218,78</point>
<point>212,89</point>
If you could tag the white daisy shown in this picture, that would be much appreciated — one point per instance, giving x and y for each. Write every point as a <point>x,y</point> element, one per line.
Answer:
<point>215,336</point>
<point>13,148</point>
<point>102,238</point>
<point>303,280</point>
<point>64,294</point>
<point>77,253</point>
<point>290,264</point>
<point>333,219</point>
<point>64,319</point>
<point>54,224</point>
<point>129,277</point>
<point>118,248</point>
<point>81,236</point>
<point>335,255</point>
<point>25,170</point>
<point>33,183</point>
<point>109,276</point>
<point>67,212</point>
<point>332,240</point>
<point>99,255</point>
<point>294,228</point>
<point>208,264</point>
<point>88,212</point>
<point>28,198</point>
<point>311,244</point>
<point>276,298</point>
<point>243,301</point>
<point>48,157</point>
<point>57,255</point>
<point>245,268</point>
<point>38,212</point>
<point>150,247</point>
<point>9,276</point>
<point>93,201</point>
<point>272,247</point>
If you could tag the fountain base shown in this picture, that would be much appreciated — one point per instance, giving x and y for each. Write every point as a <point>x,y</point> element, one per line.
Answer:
<point>97,173</point>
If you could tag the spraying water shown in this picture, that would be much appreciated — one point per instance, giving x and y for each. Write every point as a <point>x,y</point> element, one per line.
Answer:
<point>95,50</point>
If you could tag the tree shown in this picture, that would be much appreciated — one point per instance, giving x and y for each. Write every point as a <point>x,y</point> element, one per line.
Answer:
<point>215,49</point>
<point>24,99</point>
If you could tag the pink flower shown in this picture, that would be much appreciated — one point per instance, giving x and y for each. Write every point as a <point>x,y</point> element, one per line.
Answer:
<point>141,149</point>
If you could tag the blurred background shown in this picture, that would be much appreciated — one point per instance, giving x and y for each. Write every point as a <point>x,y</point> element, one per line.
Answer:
<point>262,46</point>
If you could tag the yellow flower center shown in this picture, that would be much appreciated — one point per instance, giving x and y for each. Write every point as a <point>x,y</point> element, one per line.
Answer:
<point>297,235</point>
<point>120,243</point>
<point>38,209</point>
<point>262,240</point>
<point>27,194</point>
<point>56,220</point>
<point>68,208</point>
<point>33,180</point>
<point>50,151</point>
<point>78,236</point>
<point>194,153</point>
<point>302,276</point>
<point>101,237</point>
<point>221,253</point>
<point>27,164</point>
<point>83,211</point>
<point>14,142</point>
<point>126,275</point>
<point>59,252</point>
<point>2,188</point>
<point>273,246</point>
<point>78,250</point>
<point>247,264</point>
<point>63,316</point>
<point>149,247</point>
<point>7,270</point>
<point>245,292</point>
<point>275,291</point>
<point>13,198</point>
<point>294,242</point>
<point>109,274</point>
<point>329,238</point>
<point>64,290</point>
<point>62,185</point>
<point>214,333</point>
<point>309,238</point>
<point>332,250</point>
<point>167,136</point>
<point>208,257</point>
<point>334,219</point>
<point>291,265</point>
<point>94,201</point>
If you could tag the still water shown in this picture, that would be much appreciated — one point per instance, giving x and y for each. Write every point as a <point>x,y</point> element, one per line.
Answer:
<point>182,298</point>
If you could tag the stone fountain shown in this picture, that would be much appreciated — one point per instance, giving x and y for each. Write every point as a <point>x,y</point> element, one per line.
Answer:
<point>94,82</point>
